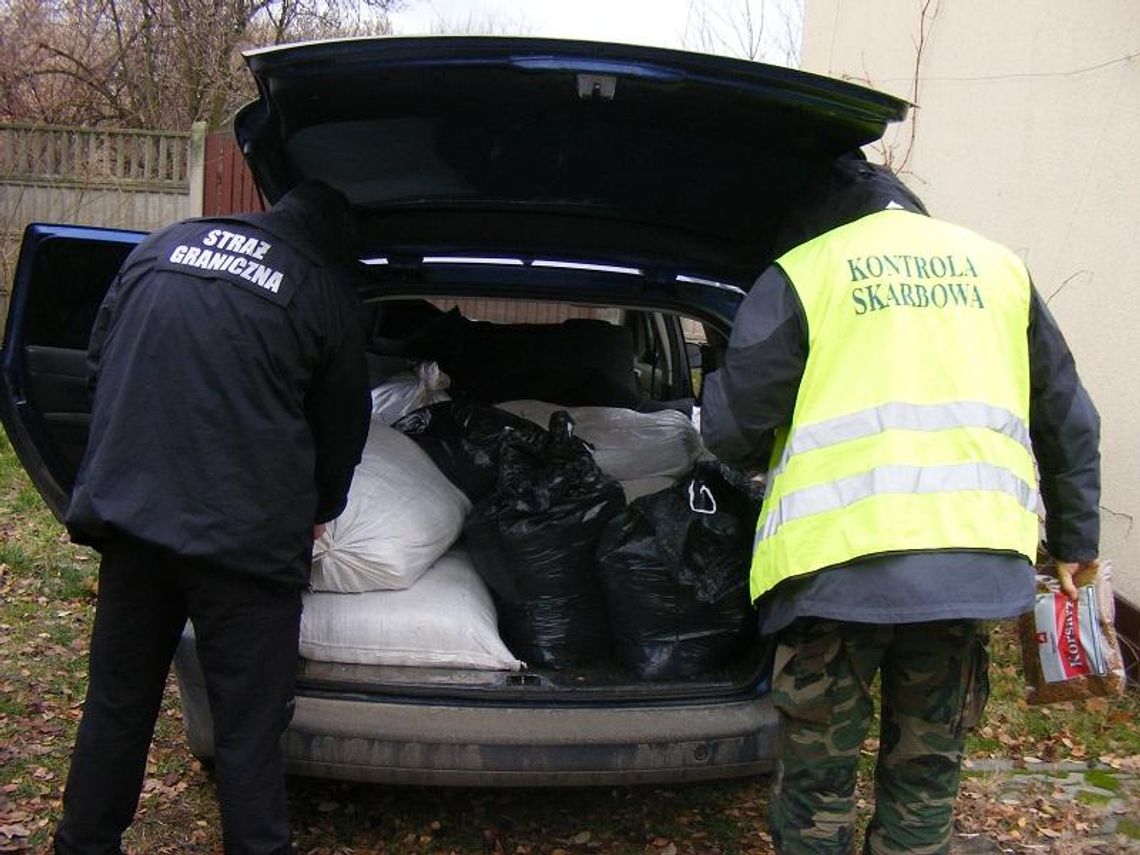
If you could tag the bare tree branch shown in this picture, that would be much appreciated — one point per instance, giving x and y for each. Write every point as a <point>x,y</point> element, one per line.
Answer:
<point>896,155</point>
<point>160,64</point>
<point>761,30</point>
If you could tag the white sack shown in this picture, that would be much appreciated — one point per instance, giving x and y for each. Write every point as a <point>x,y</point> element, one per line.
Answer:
<point>401,393</point>
<point>446,620</point>
<point>645,487</point>
<point>402,514</point>
<point>628,445</point>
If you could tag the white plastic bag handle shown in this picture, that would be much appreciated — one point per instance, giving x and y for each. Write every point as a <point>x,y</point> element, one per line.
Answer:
<point>706,496</point>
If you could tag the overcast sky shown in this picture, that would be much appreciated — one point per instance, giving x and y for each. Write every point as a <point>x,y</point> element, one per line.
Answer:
<point>661,23</point>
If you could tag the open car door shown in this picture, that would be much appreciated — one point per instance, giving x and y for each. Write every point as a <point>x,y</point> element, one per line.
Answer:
<point>61,277</point>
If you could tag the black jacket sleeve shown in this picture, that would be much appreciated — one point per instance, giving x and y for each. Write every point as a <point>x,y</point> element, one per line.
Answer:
<point>755,391</point>
<point>338,406</point>
<point>98,338</point>
<point>1065,429</point>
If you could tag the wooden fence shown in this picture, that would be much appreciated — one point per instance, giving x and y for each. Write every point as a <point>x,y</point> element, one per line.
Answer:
<point>119,179</point>
<point>228,186</point>
<point>85,156</point>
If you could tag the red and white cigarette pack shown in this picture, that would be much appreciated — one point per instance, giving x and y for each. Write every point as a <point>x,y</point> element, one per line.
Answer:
<point>1068,636</point>
<point>1070,650</point>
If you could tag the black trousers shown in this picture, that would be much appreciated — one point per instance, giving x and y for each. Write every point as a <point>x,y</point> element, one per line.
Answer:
<point>247,633</point>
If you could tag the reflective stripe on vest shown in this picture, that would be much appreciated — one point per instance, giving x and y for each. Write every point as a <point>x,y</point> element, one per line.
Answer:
<point>898,479</point>
<point>927,417</point>
<point>910,429</point>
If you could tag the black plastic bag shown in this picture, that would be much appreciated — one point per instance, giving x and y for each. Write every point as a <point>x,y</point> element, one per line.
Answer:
<point>533,540</point>
<point>675,566</point>
<point>464,441</point>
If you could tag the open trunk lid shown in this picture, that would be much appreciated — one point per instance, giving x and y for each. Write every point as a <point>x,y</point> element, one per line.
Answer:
<point>553,149</point>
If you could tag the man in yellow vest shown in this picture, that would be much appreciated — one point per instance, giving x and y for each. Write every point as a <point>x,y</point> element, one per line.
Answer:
<point>905,383</point>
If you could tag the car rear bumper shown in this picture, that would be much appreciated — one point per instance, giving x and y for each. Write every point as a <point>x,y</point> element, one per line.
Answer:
<point>388,742</point>
<point>407,741</point>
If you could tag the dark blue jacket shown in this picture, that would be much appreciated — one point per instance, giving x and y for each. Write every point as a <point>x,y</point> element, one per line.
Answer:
<point>231,399</point>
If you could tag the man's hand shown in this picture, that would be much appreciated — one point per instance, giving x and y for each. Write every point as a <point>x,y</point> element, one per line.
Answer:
<point>1066,570</point>
<point>318,530</point>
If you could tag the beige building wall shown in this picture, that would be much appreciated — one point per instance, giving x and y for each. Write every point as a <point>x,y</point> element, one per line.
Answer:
<point>1026,127</point>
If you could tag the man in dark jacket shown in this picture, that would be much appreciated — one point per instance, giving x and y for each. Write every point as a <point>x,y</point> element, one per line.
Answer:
<point>230,408</point>
<point>902,377</point>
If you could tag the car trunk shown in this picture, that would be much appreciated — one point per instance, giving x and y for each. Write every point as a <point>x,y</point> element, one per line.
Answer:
<point>666,377</point>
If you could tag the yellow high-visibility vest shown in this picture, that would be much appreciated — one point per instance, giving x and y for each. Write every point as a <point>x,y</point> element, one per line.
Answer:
<point>911,426</point>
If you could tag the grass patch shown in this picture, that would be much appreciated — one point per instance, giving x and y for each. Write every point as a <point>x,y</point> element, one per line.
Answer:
<point>1102,779</point>
<point>1130,828</point>
<point>71,582</point>
<point>1088,797</point>
<point>1077,731</point>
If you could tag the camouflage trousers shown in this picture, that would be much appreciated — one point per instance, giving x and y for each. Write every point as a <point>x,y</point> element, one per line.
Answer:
<point>934,686</point>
